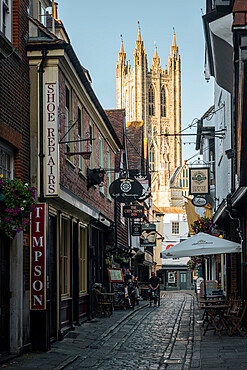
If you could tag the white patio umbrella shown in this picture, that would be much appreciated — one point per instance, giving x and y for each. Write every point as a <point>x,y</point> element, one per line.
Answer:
<point>201,244</point>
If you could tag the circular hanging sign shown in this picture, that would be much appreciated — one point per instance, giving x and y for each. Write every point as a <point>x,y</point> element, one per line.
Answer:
<point>199,201</point>
<point>125,190</point>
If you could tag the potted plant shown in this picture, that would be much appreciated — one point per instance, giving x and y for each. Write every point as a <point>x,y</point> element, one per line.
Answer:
<point>17,201</point>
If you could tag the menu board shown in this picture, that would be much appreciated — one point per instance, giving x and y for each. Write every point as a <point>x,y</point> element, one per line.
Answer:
<point>119,294</point>
<point>211,285</point>
<point>115,275</point>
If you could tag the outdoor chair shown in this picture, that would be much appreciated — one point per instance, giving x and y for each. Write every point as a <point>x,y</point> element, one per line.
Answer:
<point>235,319</point>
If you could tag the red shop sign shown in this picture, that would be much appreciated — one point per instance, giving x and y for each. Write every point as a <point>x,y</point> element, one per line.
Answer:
<point>37,253</point>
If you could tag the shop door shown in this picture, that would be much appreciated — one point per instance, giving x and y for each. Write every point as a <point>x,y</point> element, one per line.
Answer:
<point>51,273</point>
<point>183,281</point>
<point>4,294</point>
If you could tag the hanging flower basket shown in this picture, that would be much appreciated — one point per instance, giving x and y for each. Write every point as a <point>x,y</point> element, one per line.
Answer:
<point>86,155</point>
<point>202,225</point>
<point>17,201</point>
<point>194,263</point>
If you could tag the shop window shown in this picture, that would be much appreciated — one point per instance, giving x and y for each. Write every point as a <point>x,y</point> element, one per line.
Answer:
<point>83,260</point>
<point>65,257</point>
<point>175,227</point>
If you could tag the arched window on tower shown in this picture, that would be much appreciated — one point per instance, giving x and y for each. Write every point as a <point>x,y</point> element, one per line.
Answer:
<point>151,101</point>
<point>152,158</point>
<point>163,102</point>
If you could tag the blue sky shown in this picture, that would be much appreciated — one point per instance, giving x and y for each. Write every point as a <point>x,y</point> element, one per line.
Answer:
<point>94,28</point>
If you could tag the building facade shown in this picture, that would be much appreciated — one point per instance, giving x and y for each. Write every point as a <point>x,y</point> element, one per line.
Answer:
<point>152,97</point>
<point>14,163</point>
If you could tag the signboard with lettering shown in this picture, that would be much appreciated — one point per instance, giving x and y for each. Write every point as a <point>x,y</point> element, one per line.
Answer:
<point>148,236</point>
<point>37,255</point>
<point>125,190</point>
<point>136,229</point>
<point>51,140</point>
<point>115,275</point>
<point>133,211</point>
<point>199,180</point>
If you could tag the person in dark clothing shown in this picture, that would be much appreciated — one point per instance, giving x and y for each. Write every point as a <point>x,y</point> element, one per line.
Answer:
<point>153,286</point>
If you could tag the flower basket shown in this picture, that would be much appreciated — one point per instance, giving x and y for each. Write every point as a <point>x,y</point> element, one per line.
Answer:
<point>17,201</point>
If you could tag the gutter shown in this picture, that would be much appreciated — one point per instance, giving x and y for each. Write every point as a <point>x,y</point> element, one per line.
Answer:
<point>41,123</point>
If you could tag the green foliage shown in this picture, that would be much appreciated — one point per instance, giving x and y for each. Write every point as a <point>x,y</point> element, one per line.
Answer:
<point>17,201</point>
<point>202,225</point>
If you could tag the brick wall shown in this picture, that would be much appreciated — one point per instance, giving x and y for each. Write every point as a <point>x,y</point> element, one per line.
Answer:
<point>70,175</point>
<point>14,96</point>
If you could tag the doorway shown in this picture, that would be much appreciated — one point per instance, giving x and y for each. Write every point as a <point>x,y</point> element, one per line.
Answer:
<point>183,281</point>
<point>51,275</point>
<point>4,293</point>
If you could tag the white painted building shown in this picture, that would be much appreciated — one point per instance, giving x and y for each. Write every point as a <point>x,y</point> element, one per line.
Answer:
<point>173,271</point>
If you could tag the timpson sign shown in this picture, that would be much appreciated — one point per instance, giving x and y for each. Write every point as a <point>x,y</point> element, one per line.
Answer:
<point>38,258</point>
<point>51,140</point>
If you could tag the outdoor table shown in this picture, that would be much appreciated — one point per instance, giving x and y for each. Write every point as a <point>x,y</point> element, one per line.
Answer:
<point>212,311</point>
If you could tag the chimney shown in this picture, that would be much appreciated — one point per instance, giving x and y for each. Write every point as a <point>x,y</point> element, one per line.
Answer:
<point>55,10</point>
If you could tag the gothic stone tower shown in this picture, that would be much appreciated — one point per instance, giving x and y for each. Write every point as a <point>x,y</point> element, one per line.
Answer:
<point>153,98</point>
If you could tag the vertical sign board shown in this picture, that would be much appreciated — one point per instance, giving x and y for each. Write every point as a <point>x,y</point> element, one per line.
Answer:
<point>37,256</point>
<point>51,140</point>
<point>199,181</point>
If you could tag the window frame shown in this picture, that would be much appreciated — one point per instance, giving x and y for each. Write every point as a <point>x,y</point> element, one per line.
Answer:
<point>101,158</point>
<point>175,227</point>
<point>8,153</point>
<point>65,257</point>
<point>151,101</point>
<point>83,260</point>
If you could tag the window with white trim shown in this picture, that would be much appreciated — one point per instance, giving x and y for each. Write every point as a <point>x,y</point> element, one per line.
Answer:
<point>108,172</point>
<point>6,161</point>
<point>6,18</point>
<point>81,137</point>
<point>83,260</point>
<point>101,159</point>
<point>91,144</point>
<point>65,256</point>
<point>175,227</point>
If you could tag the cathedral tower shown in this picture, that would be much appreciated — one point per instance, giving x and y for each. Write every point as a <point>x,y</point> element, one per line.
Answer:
<point>153,96</point>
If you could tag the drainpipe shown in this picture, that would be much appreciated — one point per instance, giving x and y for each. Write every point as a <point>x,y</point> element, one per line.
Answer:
<point>41,124</point>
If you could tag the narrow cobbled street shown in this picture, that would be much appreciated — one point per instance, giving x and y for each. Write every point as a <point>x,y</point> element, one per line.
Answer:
<point>165,337</point>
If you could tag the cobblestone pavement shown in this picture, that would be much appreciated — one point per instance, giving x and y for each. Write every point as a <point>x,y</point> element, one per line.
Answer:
<point>165,337</point>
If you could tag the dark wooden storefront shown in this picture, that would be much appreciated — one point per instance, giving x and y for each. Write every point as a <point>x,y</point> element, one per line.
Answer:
<point>4,293</point>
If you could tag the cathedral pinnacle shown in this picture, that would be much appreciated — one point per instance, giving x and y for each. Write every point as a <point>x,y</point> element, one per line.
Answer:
<point>122,48</point>
<point>155,50</point>
<point>139,32</point>
<point>174,38</point>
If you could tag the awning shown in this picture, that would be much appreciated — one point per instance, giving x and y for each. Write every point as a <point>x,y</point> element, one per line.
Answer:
<point>201,244</point>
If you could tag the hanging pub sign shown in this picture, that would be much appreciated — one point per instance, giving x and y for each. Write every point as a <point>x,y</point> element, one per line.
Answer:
<point>136,230</point>
<point>125,190</point>
<point>148,236</point>
<point>38,258</point>
<point>199,180</point>
<point>199,201</point>
<point>133,211</point>
<point>145,181</point>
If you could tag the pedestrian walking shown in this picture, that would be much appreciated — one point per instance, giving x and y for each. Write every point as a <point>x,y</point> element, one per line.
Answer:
<point>153,288</point>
